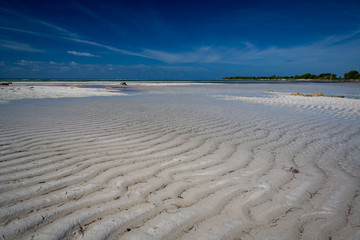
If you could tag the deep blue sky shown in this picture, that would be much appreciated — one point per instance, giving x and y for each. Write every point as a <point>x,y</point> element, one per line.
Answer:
<point>177,39</point>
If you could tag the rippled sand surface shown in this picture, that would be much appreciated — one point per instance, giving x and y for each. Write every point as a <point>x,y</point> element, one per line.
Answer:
<point>180,163</point>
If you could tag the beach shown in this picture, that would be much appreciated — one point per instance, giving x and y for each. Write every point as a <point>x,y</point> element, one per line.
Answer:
<point>174,160</point>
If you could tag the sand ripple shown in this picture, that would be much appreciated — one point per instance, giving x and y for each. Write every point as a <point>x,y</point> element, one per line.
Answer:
<point>150,169</point>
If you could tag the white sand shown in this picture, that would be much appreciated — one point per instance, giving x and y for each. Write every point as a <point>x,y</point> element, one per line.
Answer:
<point>344,107</point>
<point>180,166</point>
<point>25,90</point>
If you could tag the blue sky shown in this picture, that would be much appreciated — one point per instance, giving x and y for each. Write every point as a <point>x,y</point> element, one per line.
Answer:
<point>177,39</point>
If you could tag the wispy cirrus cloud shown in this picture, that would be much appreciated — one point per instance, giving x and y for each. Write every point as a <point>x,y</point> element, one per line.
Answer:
<point>327,49</point>
<point>18,46</point>
<point>33,20</point>
<point>71,38</point>
<point>108,47</point>
<point>330,49</point>
<point>82,54</point>
<point>95,16</point>
<point>47,69</point>
<point>204,54</point>
<point>337,46</point>
<point>12,29</point>
<point>62,34</point>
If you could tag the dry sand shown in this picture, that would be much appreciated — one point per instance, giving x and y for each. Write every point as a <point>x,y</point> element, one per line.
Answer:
<point>180,166</point>
<point>26,90</point>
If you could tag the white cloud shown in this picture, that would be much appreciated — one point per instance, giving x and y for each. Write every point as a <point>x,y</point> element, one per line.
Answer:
<point>202,54</point>
<point>82,54</point>
<point>111,48</point>
<point>328,50</point>
<point>18,46</point>
<point>25,63</point>
<point>49,69</point>
<point>29,19</point>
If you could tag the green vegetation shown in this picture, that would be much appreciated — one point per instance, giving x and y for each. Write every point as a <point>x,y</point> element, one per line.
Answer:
<point>350,76</point>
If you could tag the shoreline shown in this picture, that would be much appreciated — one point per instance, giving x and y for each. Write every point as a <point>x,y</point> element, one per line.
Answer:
<point>60,89</point>
<point>170,80</point>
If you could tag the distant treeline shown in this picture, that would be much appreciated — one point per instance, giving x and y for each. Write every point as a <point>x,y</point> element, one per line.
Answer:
<point>352,75</point>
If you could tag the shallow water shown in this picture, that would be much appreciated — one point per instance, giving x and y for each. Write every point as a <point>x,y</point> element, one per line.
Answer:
<point>260,88</point>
